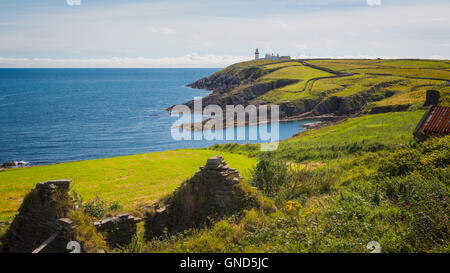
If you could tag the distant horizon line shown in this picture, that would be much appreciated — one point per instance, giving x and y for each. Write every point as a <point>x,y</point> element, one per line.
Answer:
<point>194,61</point>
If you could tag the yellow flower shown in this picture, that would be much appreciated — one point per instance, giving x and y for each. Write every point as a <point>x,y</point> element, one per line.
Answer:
<point>292,206</point>
<point>308,213</point>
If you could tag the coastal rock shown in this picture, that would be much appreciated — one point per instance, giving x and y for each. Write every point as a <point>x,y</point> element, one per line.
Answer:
<point>13,164</point>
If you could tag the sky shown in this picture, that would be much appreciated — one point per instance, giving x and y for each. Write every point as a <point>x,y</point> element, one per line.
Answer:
<point>211,33</point>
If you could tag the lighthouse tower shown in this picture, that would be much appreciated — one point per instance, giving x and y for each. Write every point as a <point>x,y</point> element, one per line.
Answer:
<point>256,54</point>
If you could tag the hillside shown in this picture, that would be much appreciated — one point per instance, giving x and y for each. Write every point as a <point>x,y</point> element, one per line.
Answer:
<point>338,87</point>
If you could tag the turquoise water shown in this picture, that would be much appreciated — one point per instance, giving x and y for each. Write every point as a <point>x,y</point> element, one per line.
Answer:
<point>58,115</point>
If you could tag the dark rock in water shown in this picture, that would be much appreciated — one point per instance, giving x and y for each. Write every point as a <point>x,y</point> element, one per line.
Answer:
<point>312,125</point>
<point>8,165</point>
<point>432,98</point>
<point>13,164</point>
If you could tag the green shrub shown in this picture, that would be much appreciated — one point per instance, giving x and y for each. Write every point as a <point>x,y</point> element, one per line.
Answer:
<point>269,175</point>
<point>96,208</point>
<point>282,181</point>
<point>115,206</point>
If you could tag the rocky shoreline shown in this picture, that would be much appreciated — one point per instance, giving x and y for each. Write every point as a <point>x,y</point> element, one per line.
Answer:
<point>316,120</point>
<point>14,164</point>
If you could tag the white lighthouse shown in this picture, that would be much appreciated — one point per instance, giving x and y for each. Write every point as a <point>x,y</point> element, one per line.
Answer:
<point>256,54</point>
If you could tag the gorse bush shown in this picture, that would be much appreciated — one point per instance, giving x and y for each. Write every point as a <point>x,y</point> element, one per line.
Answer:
<point>115,206</point>
<point>283,181</point>
<point>426,157</point>
<point>98,208</point>
<point>270,175</point>
<point>416,179</point>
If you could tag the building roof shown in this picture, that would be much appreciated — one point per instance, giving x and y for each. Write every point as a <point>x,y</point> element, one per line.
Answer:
<point>435,122</point>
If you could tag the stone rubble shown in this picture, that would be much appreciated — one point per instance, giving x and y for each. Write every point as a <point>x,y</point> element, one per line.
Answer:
<point>119,229</point>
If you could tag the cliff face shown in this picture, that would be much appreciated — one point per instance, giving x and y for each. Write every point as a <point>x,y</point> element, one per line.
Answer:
<point>245,95</point>
<point>235,85</point>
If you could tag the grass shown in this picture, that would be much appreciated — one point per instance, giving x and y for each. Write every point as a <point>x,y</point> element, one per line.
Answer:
<point>134,180</point>
<point>292,91</point>
<point>388,128</point>
<point>346,139</point>
<point>344,65</point>
<point>396,77</point>
<point>254,63</point>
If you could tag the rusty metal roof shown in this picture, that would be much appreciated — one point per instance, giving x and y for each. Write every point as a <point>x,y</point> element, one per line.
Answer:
<point>436,121</point>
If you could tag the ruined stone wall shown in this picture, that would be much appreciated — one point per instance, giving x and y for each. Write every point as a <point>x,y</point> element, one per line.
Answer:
<point>214,191</point>
<point>432,98</point>
<point>119,230</point>
<point>38,219</point>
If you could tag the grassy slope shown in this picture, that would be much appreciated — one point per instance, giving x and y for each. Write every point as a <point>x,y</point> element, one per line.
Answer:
<point>393,75</point>
<point>346,139</point>
<point>133,180</point>
<point>293,91</point>
<point>353,136</point>
<point>407,90</point>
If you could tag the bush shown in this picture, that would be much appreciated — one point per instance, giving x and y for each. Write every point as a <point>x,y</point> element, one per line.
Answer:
<point>95,208</point>
<point>270,175</point>
<point>115,206</point>
<point>282,181</point>
<point>425,200</point>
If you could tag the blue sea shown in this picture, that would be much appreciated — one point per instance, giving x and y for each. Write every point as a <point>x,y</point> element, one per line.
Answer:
<point>58,115</point>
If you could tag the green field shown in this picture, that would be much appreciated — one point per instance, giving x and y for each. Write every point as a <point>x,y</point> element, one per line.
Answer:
<point>134,181</point>
<point>406,81</point>
<point>346,139</point>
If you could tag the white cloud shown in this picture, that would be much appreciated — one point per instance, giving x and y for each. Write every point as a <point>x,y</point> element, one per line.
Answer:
<point>374,2</point>
<point>189,60</point>
<point>301,46</point>
<point>162,30</point>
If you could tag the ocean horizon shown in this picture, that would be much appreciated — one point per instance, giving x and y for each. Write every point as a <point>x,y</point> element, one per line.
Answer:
<point>54,115</point>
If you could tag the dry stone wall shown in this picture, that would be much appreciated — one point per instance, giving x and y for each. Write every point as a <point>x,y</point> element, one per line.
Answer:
<point>118,230</point>
<point>214,191</point>
<point>43,213</point>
